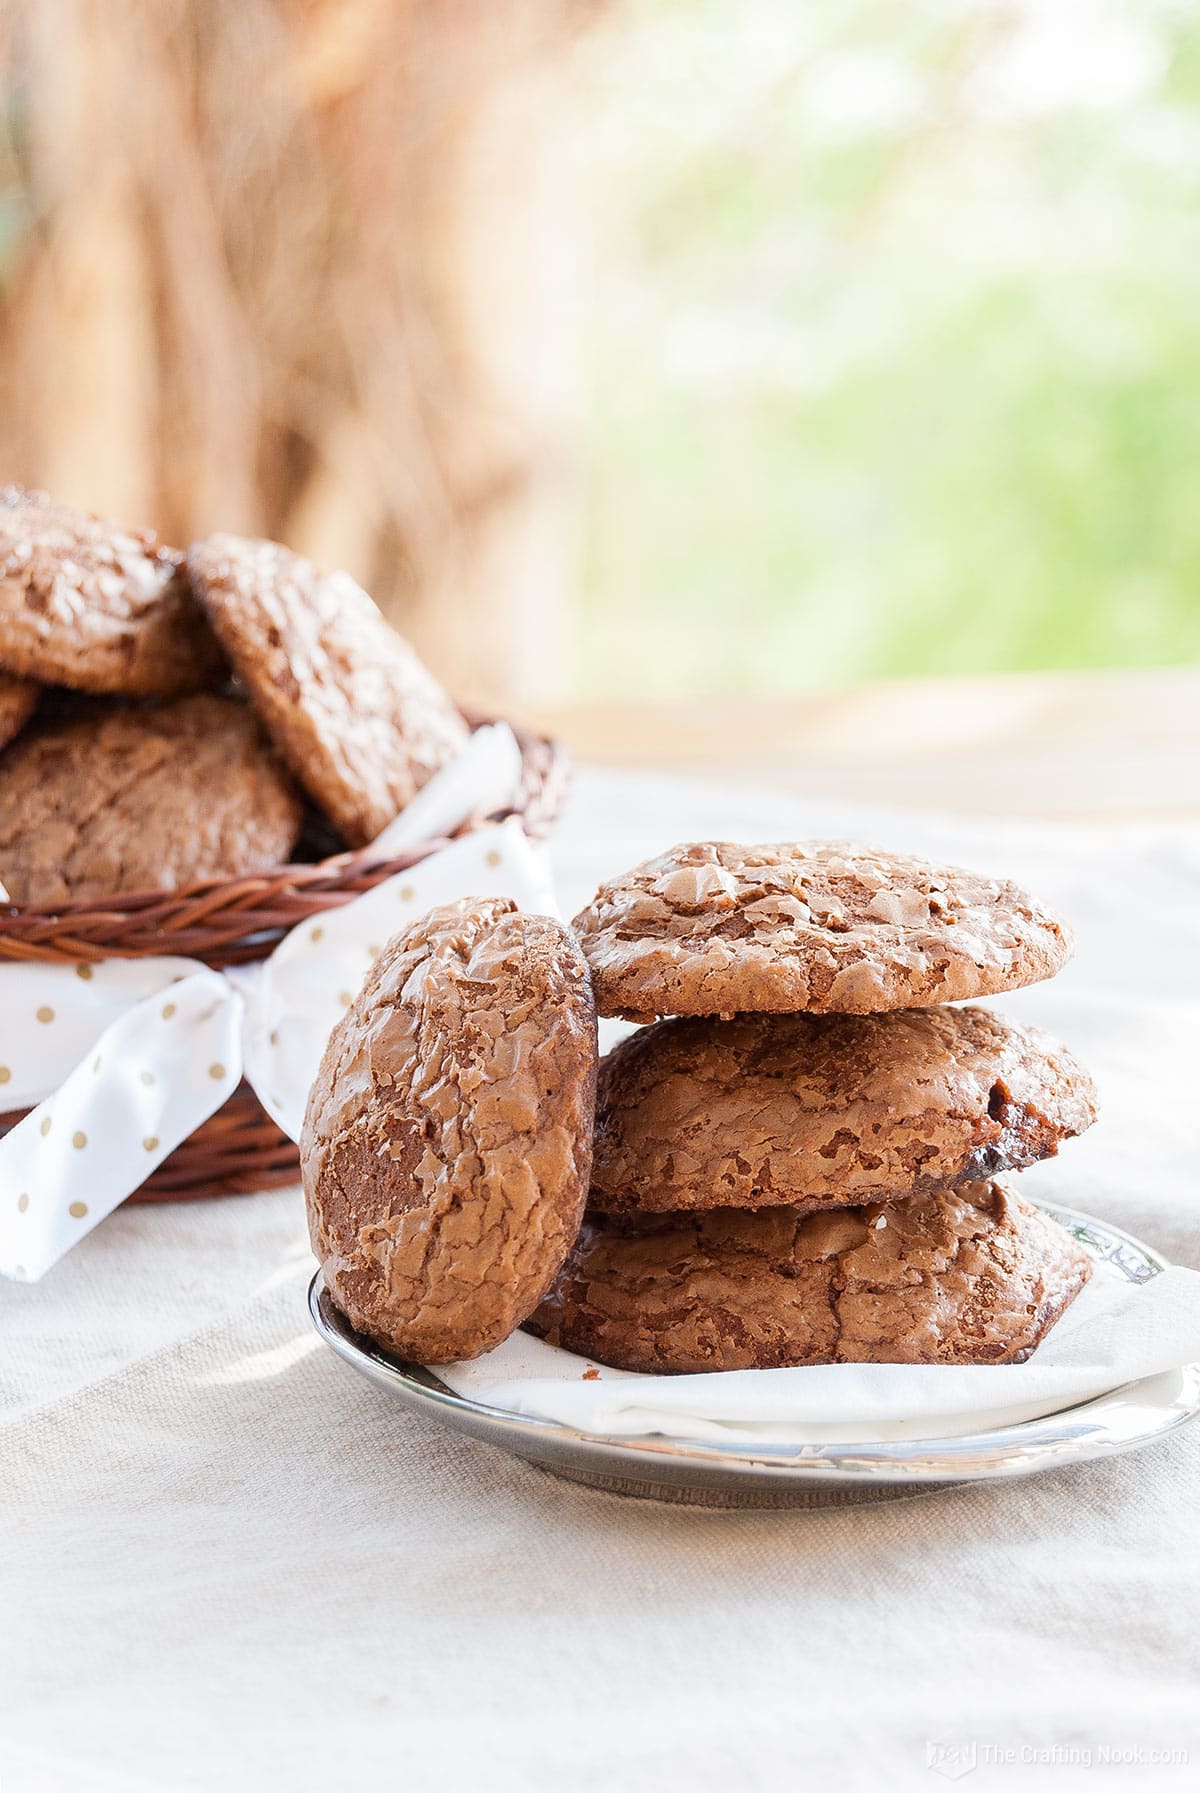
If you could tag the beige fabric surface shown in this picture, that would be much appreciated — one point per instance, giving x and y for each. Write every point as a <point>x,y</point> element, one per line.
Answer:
<point>228,1563</point>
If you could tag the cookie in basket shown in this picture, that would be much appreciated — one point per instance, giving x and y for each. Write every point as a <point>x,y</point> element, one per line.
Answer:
<point>142,798</point>
<point>87,604</point>
<point>713,928</point>
<point>967,1276</point>
<point>18,701</point>
<point>823,1111</point>
<point>355,714</point>
<point>448,1137</point>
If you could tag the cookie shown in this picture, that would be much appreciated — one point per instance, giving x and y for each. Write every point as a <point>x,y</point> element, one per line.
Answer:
<point>967,1276</point>
<point>86,604</point>
<point>821,926</point>
<point>18,701</point>
<point>142,799</point>
<point>350,707</point>
<point>448,1137</point>
<point>823,1111</point>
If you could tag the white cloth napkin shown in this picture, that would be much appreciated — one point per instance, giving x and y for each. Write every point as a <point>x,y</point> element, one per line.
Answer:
<point>1114,1332</point>
<point>121,1061</point>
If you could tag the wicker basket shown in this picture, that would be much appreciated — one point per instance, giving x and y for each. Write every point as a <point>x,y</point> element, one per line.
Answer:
<point>233,922</point>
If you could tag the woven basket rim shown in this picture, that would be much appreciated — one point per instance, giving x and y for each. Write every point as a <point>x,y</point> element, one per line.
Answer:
<point>235,920</point>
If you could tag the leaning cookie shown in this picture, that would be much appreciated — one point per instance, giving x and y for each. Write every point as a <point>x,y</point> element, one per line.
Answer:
<point>969,1276</point>
<point>713,928</point>
<point>86,604</point>
<point>18,701</point>
<point>448,1137</point>
<point>355,714</point>
<point>142,799</point>
<point>823,1111</point>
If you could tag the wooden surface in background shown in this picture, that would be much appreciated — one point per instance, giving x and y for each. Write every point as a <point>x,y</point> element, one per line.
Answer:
<point>1085,746</point>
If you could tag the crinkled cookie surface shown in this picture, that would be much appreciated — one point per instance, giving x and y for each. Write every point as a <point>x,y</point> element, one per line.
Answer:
<point>448,1140</point>
<point>819,1111</point>
<point>969,1276</point>
<point>144,798</point>
<point>714,928</point>
<point>87,604</point>
<point>351,708</point>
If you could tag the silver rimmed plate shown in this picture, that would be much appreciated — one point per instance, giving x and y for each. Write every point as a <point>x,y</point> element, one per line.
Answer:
<point>775,1475</point>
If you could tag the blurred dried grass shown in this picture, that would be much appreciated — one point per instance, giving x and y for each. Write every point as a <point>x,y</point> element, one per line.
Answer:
<point>304,268</point>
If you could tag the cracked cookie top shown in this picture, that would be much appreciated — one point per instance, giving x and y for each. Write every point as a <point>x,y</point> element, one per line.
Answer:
<point>87,604</point>
<point>351,708</point>
<point>142,799</point>
<point>448,1138</point>
<point>713,928</point>
<point>967,1276</point>
<point>821,1111</point>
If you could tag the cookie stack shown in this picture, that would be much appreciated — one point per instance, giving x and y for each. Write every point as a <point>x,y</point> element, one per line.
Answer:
<point>198,700</point>
<point>795,1168</point>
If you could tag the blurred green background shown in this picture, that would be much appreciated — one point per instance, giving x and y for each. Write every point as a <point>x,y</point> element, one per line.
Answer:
<point>896,342</point>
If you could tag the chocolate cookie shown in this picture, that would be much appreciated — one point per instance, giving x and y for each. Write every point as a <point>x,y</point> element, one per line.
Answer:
<point>823,1111</point>
<point>142,799</point>
<point>18,701</point>
<point>352,710</point>
<point>968,1276</point>
<point>86,604</point>
<point>448,1137</point>
<point>714,929</point>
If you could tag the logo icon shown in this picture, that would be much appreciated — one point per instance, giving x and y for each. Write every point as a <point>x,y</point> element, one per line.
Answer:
<point>951,1760</point>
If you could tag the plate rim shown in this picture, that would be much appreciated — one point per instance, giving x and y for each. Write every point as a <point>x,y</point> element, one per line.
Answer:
<point>1022,1448</point>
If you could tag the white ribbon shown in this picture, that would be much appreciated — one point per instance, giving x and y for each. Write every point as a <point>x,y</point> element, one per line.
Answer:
<point>120,1061</point>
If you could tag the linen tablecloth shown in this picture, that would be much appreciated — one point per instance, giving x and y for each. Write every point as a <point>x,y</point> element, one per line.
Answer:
<point>228,1563</point>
